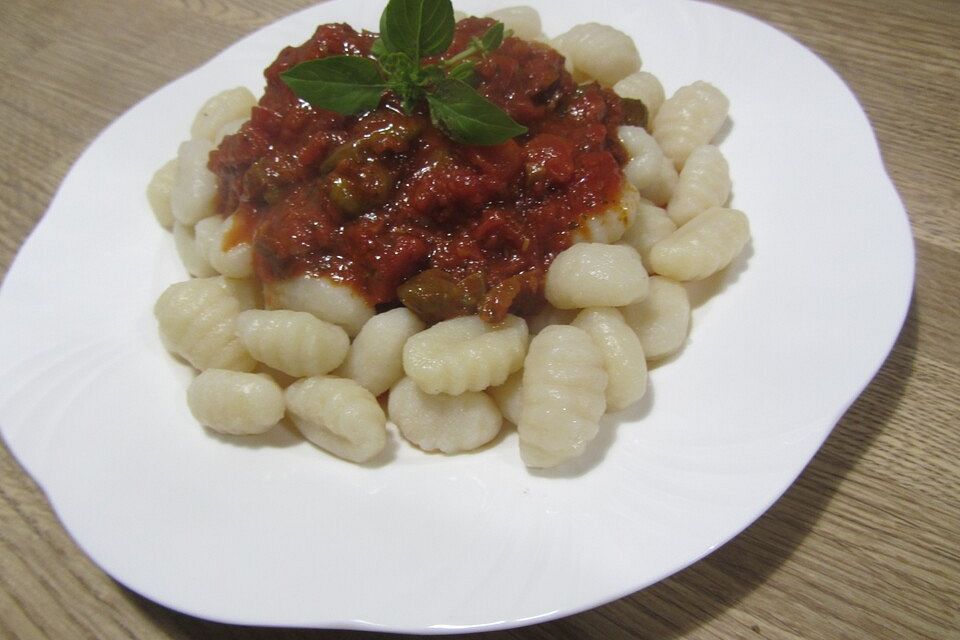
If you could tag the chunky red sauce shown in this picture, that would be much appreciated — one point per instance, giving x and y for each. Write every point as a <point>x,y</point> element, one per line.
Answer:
<point>376,199</point>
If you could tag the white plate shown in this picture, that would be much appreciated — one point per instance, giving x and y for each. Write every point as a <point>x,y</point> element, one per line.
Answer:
<point>271,531</point>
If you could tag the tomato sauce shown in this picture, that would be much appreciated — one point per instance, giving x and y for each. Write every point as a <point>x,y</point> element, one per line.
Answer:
<point>386,203</point>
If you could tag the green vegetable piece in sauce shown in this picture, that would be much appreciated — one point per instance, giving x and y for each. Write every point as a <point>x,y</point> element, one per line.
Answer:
<point>366,146</point>
<point>635,112</point>
<point>435,295</point>
<point>344,194</point>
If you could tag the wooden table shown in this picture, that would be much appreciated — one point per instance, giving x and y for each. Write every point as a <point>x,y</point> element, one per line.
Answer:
<point>866,544</point>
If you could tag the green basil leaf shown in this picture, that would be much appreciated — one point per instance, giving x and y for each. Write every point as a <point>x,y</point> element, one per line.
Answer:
<point>345,84</point>
<point>418,28</point>
<point>378,49</point>
<point>493,38</point>
<point>469,118</point>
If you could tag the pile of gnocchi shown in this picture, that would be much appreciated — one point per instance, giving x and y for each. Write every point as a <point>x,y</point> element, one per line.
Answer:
<point>311,351</point>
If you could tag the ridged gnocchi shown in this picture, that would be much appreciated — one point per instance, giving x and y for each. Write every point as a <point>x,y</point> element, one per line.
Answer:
<point>441,422</point>
<point>703,183</point>
<point>227,106</point>
<point>662,319</point>
<point>195,187</point>
<point>339,416</point>
<point>689,118</point>
<point>523,21</point>
<point>294,342</point>
<point>235,402</point>
<point>652,225</point>
<point>235,261</point>
<point>645,167</point>
<point>465,354</point>
<point>643,86</point>
<point>595,275</point>
<point>375,359</point>
<point>599,51</point>
<point>193,259</point>
<point>158,193</point>
<point>228,129</point>
<point>622,353</point>
<point>609,225</point>
<point>703,246</point>
<point>324,298</point>
<point>660,191</point>
<point>509,396</point>
<point>564,396</point>
<point>197,321</point>
<point>550,315</point>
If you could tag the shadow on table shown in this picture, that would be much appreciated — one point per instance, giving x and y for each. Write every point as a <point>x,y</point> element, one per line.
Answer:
<point>693,597</point>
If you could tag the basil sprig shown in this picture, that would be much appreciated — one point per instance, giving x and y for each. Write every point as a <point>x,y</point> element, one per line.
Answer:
<point>411,30</point>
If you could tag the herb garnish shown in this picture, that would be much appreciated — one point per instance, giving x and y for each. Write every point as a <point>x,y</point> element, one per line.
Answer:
<point>411,30</point>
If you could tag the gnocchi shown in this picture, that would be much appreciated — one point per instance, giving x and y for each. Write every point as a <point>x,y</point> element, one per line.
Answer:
<point>225,107</point>
<point>234,402</point>
<point>613,294</point>
<point>702,246</point>
<point>652,225</point>
<point>375,359</point>
<point>294,342</point>
<point>324,298</point>
<point>662,319</point>
<point>465,354</point>
<point>703,183</point>
<point>228,129</point>
<point>596,275</point>
<point>158,193</point>
<point>339,416</point>
<point>643,86</point>
<point>195,187</point>
<point>523,21</point>
<point>689,118</point>
<point>609,225</point>
<point>197,320</point>
<point>564,387</point>
<point>660,190</point>
<point>235,261</point>
<point>509,396</point>
<point>645,166</point>
<point>622,352</point>
<point>599,51</point>
<point>550,315</point>
<point>441,422</point>
<point>193,259</point>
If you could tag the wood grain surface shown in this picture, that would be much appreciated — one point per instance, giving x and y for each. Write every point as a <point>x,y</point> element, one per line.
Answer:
<point>866,544</point>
